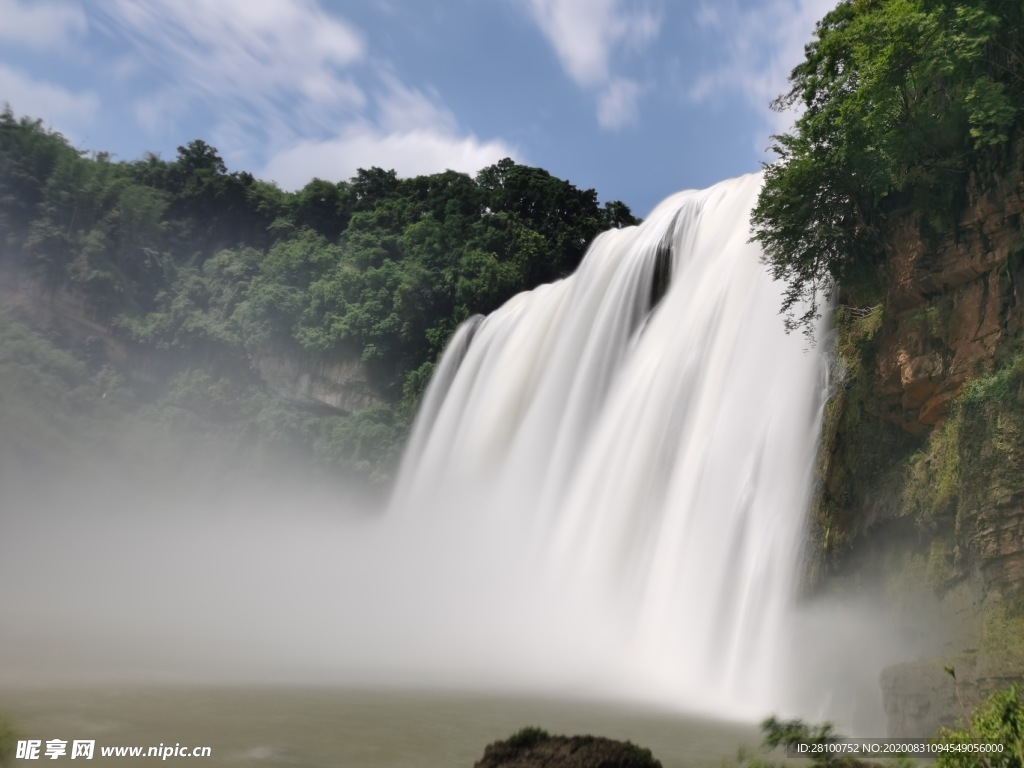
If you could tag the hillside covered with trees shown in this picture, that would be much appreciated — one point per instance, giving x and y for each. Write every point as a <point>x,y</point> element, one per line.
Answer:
<point>200,270</point>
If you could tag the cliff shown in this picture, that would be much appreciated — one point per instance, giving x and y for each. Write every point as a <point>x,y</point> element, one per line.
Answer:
<point>340,384</point>
<point>955,303</point>
<point>922,462</point>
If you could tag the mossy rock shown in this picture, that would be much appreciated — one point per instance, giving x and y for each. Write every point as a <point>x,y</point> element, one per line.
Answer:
<point>535,748</point>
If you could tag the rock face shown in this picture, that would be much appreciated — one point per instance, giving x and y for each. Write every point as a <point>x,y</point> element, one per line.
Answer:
<point>956,311</point>
<point>953,312</point>
<point>341,385</point>
<point>895,465</point>
<point>953,302</point>
<point>921,697</point>
<point>991,509</point>
<point>544,751</point>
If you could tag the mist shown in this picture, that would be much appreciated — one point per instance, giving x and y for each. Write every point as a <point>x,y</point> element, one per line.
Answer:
<point>105,579</point>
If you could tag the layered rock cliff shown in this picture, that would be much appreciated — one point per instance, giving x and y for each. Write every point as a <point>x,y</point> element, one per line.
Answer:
<point>955,303</point>
<point>922,470</point>
<point>339,384</point>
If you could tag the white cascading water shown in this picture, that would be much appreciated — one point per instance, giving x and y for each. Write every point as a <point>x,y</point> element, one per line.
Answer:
<point>631,474</point>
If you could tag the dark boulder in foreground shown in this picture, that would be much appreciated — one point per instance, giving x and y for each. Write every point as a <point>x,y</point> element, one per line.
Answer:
<point>535,748</point>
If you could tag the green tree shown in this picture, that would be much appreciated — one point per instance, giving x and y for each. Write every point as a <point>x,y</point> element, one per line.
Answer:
<point>29,153</point>
<point>900,99</point>
<point>370,187</point>
<point>998,722</point>
<point>324,207</point>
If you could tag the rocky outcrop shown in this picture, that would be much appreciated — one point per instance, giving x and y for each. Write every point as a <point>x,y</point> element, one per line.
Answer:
<point>921,697</point>
<point>341,385</point>
<point>991,521</point>
<point>543,751</point>
<point>60,312</point>
<point>954,302</point>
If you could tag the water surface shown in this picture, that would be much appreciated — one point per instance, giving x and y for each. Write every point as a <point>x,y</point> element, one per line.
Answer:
<point>320,727</point>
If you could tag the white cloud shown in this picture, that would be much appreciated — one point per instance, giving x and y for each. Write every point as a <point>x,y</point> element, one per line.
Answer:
<point>409,153</point>
<point>40,25</point>
<point>293,83</point>
<point>586,34</point>
<point>760,47</point>
<point>412,135</point>
<point>28,96</point>
<point>405,109</point>
<point>617,104</point>
<point>247,58</point>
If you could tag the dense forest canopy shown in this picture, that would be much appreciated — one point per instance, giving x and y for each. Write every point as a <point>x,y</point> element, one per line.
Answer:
<point>190,259</point>
<point>901,101</point>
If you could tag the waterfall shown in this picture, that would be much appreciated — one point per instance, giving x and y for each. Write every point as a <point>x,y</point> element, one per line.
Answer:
<point>604,497</point>
<point>613,470</point>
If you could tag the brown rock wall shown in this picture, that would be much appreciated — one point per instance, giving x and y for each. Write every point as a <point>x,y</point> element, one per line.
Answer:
<point>953,304</point>
<point>921,697</point>
<point>994,537</point>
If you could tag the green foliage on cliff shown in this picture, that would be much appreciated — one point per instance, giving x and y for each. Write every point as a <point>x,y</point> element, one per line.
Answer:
<point>210,269</point>
<point>1002,630</point>
<point>857,444</point>
<point>1005,387</point>
<point>900,100</point>
<point>974,453</point>
<point>998,721</point>
<point>933,481</point>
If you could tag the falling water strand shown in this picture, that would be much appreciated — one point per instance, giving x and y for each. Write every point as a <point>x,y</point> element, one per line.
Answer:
<point>636,457</point>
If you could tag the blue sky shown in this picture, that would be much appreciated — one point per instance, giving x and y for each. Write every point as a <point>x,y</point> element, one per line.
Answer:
<point>635,98</point>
